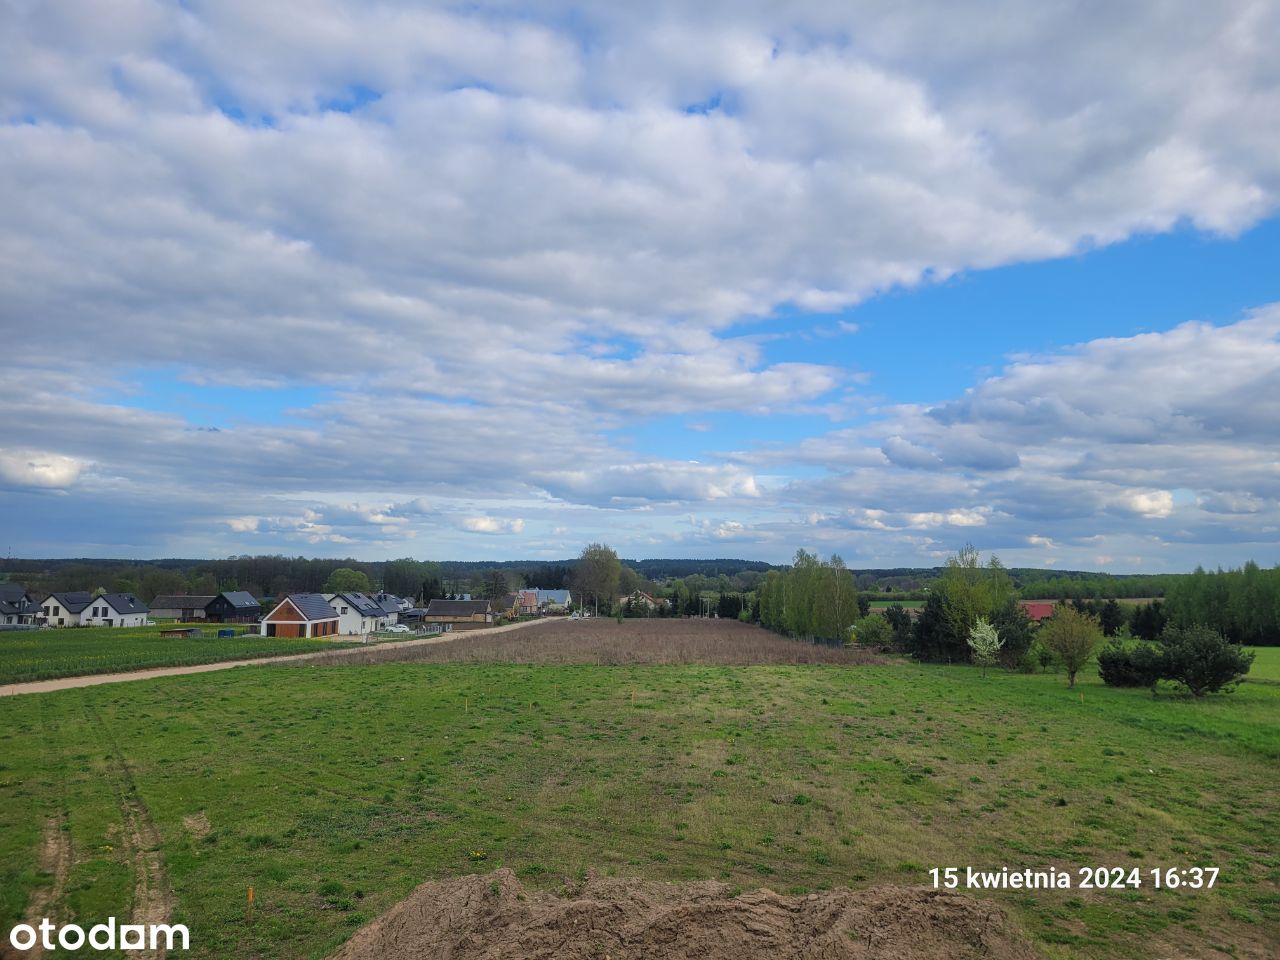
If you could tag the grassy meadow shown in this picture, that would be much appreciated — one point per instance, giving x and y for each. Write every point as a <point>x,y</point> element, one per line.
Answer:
<point>334,790</point>
<point>75,651</point>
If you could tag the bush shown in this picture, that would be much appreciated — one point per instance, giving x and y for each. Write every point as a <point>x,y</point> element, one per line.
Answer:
<point>1202,659</point>
<point>1130,666</point>
<point>873,631</point>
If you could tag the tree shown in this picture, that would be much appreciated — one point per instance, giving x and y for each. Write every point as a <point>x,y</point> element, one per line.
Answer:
<point>900,622</point>
<point>864,606</point>
<point>1135,665</point>
<point>1016,632</point>
<point>1071,636</point>
<point>1111,617</point>
<point>596,575</point>
<point>985,642</point>
<point>1149,621</point>
<point>495,585</point>
<point>346,580</point>
<point>1203,660</point>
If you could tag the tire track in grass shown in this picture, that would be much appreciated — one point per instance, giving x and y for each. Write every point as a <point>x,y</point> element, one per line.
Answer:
<point>152,898</point>
<point>46,902</point>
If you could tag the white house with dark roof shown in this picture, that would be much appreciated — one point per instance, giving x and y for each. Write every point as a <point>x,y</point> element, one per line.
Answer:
<point>115,610</point>
<point>16,606</point>
<point>357,612</point>
<point>64,609</point>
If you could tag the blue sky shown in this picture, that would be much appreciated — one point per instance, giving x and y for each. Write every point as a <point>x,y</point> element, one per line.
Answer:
<point>494,282</point>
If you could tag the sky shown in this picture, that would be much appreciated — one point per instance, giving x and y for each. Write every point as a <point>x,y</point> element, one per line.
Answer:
<point>495,280</point>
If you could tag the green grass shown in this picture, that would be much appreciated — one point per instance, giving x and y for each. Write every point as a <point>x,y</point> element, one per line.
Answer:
<point>74,651</point>
<point>905,604</point>
<point>1266,665</point>
<point>333,791</point>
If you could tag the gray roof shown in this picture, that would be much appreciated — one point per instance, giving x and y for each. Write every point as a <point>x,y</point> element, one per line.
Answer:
<point>457,608</point>
<point>73,601</point>
<point>553,596</point>
<point>389,602</point>
<point>313,606</point>
<point>125,603</point>
<point>241,599</point>
<point>364,604</point>
<point>179,601</point>
<point>14,599</point>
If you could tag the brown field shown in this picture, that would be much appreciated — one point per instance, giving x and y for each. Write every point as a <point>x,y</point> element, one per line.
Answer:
<point>603,641</point>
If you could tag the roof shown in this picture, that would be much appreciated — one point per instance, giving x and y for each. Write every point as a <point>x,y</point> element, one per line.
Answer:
<point>15,600</point>
<point>125,603</point>
<point>457,608</point>
<point>240,599</point>
<point>553,596</point>
<point>313,606</point>
<point>1038,609</point>
<point>179,601</point>
<point>363,604</point>
<point>73,601</point>
<point>389,602</point>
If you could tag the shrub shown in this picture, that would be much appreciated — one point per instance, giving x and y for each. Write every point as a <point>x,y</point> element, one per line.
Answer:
<point>1130,666</point>
<point>1202,659</point>
<point>1072,637</point>
<point>985,642</point>
<point>873,631</point>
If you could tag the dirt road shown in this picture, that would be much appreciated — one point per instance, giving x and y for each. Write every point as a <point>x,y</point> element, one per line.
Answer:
<point>92,680</point>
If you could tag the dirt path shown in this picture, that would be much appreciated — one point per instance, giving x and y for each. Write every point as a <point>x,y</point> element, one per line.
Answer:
<point>92,680</point>
<point>46,902</point>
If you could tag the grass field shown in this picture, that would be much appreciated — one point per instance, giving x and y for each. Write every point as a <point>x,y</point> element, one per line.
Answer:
<point>46,654</point>
<point>334,790</point>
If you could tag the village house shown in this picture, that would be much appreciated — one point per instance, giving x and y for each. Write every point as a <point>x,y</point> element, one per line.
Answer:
<point>233,606</point>
<point>115,610</point>
<point>64,609</point>
<point>466,614</point>
<point>526,602</point>
<point>16,606</point>
<point>169,606</point>
<point>639,600</point>
<point>553,601</point>
<point>300,615</point>
<point>357,612</point>
<point>392,606</point>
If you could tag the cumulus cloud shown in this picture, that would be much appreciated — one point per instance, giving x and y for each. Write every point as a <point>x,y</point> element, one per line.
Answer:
<point>34,468</point>
<point>491,525</point>
<point>495,238</point>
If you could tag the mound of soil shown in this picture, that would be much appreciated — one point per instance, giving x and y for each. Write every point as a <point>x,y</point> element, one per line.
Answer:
<point>493,916</point>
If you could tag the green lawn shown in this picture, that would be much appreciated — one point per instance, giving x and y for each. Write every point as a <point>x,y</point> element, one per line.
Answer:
<point>333,791</point>
<point>73,651</point>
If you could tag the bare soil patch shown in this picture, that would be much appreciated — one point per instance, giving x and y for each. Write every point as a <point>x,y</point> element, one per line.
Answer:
<point>605,641</point>
<point>46,901</point>
<point>491,917</point>
<point>197,825</point>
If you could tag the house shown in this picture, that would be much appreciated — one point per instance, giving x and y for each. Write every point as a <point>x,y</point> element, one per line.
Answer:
<point>392,606</point>
<point>553,601</point>
<point>170,606</point>
<point>115,610</point>
<point>639,600</point>
<point>300,615</point>
<point>357,612</point>
<point>16,606</point>
<point>506,605</point>
<point>446,614</point>
<point>526,602</point>
<point>1038,610</point>
<point>233,606</point>
<point>64,609</point>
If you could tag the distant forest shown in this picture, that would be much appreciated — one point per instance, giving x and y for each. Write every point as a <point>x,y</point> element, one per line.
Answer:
<point>278,575</point>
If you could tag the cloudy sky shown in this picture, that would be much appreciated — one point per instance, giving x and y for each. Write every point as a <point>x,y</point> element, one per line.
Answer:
<point>492,280</point>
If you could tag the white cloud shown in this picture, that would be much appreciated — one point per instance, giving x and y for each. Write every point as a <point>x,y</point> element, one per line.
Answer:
<point>34,468</point>
<point>491,525</point>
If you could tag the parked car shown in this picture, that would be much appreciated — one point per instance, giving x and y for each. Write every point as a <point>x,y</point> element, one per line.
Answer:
<point>397,628</point>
